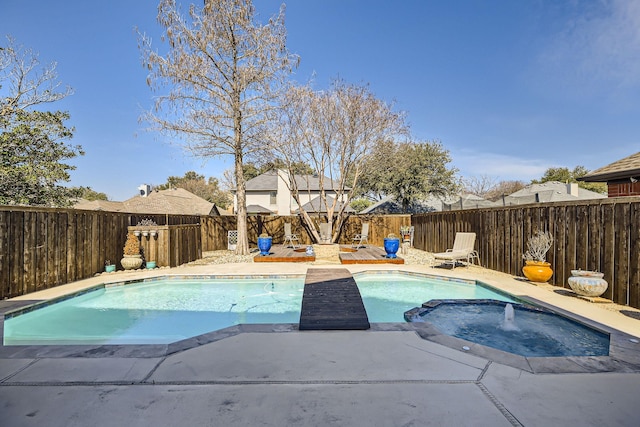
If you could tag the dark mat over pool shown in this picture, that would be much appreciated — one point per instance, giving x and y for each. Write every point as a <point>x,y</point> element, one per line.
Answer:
<point>332,301</point>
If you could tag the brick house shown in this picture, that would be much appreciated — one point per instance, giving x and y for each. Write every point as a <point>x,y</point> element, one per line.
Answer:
<point>622,177</point>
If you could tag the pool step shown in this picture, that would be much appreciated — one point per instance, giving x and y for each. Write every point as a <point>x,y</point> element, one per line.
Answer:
<point>332,301</point>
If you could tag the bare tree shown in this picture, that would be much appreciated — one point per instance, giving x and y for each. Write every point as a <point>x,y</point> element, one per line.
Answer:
<point>504,188</point>
<point>224,72</point>
<point>333,131</point>
<point>490,189</point>
<point>34,147</point>
<point>28,82</point>
<point>479,185</point>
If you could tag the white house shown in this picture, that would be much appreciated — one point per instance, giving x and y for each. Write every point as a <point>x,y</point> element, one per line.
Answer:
<point>270,192</point>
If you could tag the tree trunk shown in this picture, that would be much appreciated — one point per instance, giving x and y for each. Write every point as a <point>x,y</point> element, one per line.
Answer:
<point>313,231</point>
<point>242,247</point>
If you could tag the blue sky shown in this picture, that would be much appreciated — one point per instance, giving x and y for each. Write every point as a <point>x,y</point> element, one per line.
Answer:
<point>510,88</point>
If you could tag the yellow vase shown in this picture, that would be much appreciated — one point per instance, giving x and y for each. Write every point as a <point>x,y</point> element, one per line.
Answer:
<point>537,271</point>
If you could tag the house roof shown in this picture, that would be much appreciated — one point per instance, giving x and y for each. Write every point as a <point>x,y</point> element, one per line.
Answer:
<point>99,205</point>
<point>175,201</point>
<point>467,201</point>
<point>621,169</point>
<point>268,181</point>
<point>389,205</point>
<point>551,191</point>
<point>257,209</point>
<point>317,205</point>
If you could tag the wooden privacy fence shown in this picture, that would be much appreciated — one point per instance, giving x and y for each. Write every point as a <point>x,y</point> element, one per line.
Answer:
<point>41,248</point>
<point>214,229</point>
<point>169,245</point>
<point>602,235</point>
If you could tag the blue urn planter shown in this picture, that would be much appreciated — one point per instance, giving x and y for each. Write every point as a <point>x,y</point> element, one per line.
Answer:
<point>391,246</point>
<point>264,244</point>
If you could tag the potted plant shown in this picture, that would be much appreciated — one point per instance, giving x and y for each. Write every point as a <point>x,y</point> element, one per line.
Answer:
<point>132,258</point>
<point>264,244</point>
<point>108,267</point>
<point>391,245</point>
<point>537,269</point>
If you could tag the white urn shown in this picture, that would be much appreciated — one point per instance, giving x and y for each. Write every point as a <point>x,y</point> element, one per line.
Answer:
<point>587,283</point>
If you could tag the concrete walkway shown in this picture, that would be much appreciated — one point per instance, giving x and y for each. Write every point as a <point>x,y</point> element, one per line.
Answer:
<point>368,378</point>
<point>275,375</point>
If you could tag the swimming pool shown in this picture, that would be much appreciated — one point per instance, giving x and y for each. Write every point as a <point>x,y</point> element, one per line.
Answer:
<point>166,310</point>
<point>386,296</point>
<point>158,311</point>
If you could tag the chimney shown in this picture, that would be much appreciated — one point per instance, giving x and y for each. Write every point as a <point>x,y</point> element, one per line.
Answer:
<point>145,189</point>
<point>572,188</point>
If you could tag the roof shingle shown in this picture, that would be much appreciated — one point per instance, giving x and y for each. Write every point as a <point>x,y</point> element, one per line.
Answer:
<point>624,168</point>
<point>175,201</point>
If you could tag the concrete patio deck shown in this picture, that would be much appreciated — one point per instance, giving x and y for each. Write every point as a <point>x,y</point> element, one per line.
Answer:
<point>275,375</point>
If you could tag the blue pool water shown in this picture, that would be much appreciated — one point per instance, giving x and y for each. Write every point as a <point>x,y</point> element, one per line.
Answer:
<point>158,312</point>
<point>526,331</point>
<point>387,296</point>
<point>165,311</point>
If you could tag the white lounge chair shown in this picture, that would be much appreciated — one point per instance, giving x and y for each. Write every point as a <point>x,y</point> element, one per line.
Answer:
<point>289,236</point>
<point>462,250</point>
<point>359,239</point>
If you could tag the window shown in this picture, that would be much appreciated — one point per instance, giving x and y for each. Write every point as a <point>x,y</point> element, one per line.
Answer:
<point>273,197</point>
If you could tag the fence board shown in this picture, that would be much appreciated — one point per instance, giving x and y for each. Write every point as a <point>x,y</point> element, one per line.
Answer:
<point>621,248</point>
<point>97,260</point>
<point>634,255</point>
<point>61,252</point>
<point>5,254</point>
<point>582,237</point>
<point>594,234</point>
<point>16,236</point>
<point>570,246</point>
<point>507,240</point>
<point>518,242</point>
<point>607,250</point>
<point>29,262</point>
<point>40,251</point>
<point>559,231</point>
<point>50,250</point>
<point>72,226</point>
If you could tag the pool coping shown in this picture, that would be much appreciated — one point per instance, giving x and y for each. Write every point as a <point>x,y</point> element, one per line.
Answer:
<point>624,354</point>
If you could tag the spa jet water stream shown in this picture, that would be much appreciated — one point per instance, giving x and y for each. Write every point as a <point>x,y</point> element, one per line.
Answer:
<point>509,322</point>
